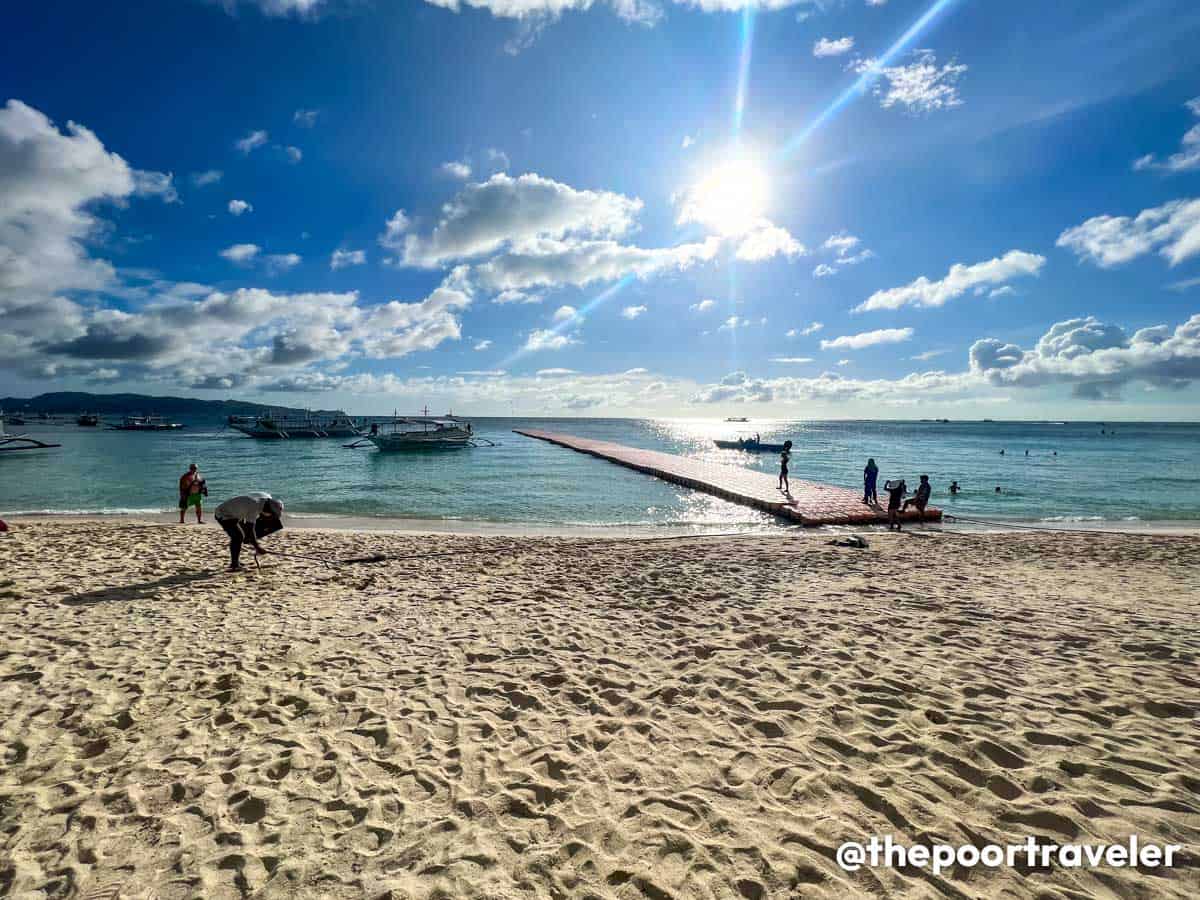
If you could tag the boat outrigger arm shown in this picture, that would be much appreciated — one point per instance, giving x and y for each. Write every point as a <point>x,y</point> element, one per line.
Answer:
<point>21,441</point>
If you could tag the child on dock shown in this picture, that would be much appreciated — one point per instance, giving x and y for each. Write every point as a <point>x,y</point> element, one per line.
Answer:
<point>783,468</point>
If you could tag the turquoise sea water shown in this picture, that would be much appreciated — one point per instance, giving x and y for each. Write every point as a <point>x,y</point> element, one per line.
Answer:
<point>1145,471</point>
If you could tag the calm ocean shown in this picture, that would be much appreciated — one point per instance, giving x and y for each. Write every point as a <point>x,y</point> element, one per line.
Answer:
<point>1143,471</point>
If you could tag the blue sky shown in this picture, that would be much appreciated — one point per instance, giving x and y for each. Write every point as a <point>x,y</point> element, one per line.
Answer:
<point>556,207</point>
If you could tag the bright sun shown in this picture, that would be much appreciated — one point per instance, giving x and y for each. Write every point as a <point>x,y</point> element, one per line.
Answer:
<point>730,199</point>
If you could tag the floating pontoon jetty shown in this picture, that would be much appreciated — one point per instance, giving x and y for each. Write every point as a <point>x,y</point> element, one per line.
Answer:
<point>811,503</point>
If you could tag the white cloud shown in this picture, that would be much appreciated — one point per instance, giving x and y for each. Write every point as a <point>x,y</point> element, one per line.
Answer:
<point>498,158</point>
<point>1006,291</point>
<point>545,339</point>
<point>632,312</point>
<point>1186,285</point>
<point>959,280</point>
<point>555,373</point>
<point>241,253</point>
<point>1097,359</point>
<point>483,345</point>
<point>301,9</point>
<point>703,306</point>
<point>868,339</point>
<point>805,331</point>
<point>927,355</point>
<point>919,87</point>
<point>734,322</point>
<point>798,360</point>
<point>341,259</point>
<point>511,296</point>
<point>845,362</point>
<point>876,2</point>
<point>237,207</point>
<point>458,168</point>
<point>1188,157</point>
<point>252,141</point>
<point>155,184</point>
<point>548,263</point>
<point>306,118</point>
<point>281,262</point>
<point>504,211</point>
<point>826,47</point>
<point>765,241</point>
<point>842,245</point>
<point>294,154</point>
<point>203,179</point>
<point>1172,229</point>
<point>565,313</point>
<point>687,141</point>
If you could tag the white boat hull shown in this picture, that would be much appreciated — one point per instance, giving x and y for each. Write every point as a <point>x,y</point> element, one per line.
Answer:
<point>444,439</point>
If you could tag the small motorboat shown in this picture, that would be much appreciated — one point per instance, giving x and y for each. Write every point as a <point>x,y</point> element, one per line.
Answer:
<point>145,423</point>
<point>750,445</point>
<point>88,420</point>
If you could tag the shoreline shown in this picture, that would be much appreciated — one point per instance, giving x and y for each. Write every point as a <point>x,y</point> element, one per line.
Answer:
<point>481,528</point>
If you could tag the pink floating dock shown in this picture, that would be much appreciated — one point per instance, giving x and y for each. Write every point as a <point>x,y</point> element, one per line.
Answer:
<point>811,503</point>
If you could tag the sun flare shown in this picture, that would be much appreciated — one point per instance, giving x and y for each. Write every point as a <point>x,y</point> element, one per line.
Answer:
<point>731,198</point>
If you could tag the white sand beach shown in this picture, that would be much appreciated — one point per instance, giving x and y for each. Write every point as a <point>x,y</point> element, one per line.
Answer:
<point>563,718</point>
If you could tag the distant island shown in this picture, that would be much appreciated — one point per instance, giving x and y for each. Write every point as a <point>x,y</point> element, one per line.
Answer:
<point>74,402</point>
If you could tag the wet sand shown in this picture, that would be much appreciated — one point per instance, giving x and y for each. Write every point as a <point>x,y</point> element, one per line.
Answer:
<point>553,718</point>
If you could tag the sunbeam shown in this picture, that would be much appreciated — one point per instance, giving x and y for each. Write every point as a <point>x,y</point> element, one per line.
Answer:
<point>865,80</point>
<point>743,77</point>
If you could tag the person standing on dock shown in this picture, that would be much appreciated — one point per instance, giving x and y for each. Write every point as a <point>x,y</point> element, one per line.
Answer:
<point>870,478</point>
<point>784,458</point>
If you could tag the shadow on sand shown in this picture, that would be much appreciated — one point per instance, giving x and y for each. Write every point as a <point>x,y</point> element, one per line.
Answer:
<point>145,591</point>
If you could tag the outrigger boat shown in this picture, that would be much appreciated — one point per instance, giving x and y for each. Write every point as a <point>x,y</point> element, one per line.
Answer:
<point>423,433</point>
<point>20,441</point>
<point>338,425</point>
<point>145,423</point>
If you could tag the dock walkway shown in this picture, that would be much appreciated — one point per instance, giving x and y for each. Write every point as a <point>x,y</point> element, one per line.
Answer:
<point>811,503</point>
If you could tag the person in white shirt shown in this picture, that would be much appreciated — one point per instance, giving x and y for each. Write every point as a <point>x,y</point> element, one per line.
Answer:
<point>246,519</point>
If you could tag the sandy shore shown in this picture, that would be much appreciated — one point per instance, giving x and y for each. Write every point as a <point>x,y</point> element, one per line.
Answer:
<point>558,718</point>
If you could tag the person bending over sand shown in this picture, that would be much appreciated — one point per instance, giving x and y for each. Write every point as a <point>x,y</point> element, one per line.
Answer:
<point>246,519</point>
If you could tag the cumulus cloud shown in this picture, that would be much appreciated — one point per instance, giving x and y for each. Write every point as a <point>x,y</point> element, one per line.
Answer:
<point>237,207</point>
<point>805,331</point>
<point>511,296</point>
<point>827,47</point>
<point>252,141</point>
<point>1096,358</point>
<point>959,280</point>
<point>922,86</point>
<point>294,154</point>
<point>765,241</point>
<point>1173,230</point>
<point>505,211</point>
<point>868,339</point>
<point>342,259</point>
<point>550,263</point>
<point>632,312</point>
<point>843,247</point>
<point>703,306</point>
<point>281,262</point>
<point>546,339</point>
<point>155,184</point>
<point>458,168</point>
<point>1188,157</point>
<point>791,359</point>
<point>483,345</point>
<point>204,179</point>
<point>687,142</point>
<point>306,118</point>
<point>565,313</point>
<point>241,254</point>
